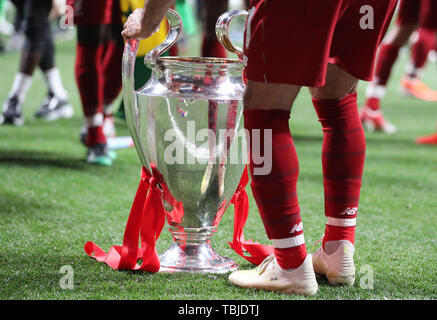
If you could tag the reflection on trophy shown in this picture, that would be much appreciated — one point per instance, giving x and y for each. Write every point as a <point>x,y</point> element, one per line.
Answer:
<point>185,123</point>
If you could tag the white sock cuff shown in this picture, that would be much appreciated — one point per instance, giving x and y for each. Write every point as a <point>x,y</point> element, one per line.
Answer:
<point>341,222</point>
<point>20,86</point>
<point>94,121</point>
<point>54,82</point>
<point>375,91</point>
<point>289,242</point>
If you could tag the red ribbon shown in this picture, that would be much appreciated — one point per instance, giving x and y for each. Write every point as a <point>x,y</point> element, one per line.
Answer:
<point>146,220</point>
<point>258,252</point>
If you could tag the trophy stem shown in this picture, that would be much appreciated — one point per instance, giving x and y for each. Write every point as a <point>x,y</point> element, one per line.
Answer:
<point>191,251</point>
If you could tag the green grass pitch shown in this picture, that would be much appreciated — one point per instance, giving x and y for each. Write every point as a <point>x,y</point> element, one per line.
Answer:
<point>52,203</point>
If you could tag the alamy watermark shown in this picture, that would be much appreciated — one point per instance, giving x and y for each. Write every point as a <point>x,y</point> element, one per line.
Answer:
<point>67,280</point>
<point>66,21</point>
<point>367,279</point>
<point>367,21</point>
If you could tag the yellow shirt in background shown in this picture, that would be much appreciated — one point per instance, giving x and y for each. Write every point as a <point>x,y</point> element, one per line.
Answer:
<point>127,7</point>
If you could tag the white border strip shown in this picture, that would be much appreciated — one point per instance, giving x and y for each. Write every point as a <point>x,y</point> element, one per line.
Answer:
<point>288,242</point>
<point>339,222</point>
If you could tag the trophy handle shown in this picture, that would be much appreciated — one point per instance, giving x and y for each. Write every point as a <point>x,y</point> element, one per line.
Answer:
<point>174,30</point>
<point>222,31</point>
<point>128,67</point>
<point>130,102</point>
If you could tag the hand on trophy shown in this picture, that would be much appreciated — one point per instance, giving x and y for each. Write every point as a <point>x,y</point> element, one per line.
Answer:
<point>144,22</point>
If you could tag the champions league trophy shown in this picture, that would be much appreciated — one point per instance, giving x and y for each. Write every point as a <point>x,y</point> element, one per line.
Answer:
<point>184,124</point>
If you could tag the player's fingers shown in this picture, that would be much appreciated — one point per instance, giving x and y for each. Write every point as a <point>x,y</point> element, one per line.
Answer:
<point>132,32</point>
<point>125,35</point>
<point>128,33</point>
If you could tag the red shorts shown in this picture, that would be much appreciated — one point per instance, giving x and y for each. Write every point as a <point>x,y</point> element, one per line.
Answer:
<point>292,41</point>
<point>95,12</point>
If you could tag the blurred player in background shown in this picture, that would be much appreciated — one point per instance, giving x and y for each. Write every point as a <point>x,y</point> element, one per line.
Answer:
<point>211,10</point>
<point>412,14</point>
<point>99,52</point>
<point>38,51</point>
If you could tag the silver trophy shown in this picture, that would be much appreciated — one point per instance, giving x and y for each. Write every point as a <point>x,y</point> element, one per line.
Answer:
<point>185,123</point>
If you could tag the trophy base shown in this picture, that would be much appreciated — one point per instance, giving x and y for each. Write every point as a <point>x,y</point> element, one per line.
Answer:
<point>195,258</point>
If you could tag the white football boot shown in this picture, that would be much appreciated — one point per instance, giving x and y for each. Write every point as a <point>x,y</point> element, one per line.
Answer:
<point>269,276</point>
<point>336,263</point>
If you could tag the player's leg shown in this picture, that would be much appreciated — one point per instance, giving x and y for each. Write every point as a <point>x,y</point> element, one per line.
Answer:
<point>429,21</point>
<point>89,70</point>
<point>389,50</point>
<point>274,181</point>
<point>411,84</point>
<point>343,149</point>
<point>93,19</point>
<point>111,75</point>
<point>211,47</point>
<point>407,21</point>
<point>343,154</point>
<point>419,52</point>
<point>37,28</point>
<point>55,104</point>
<point>274,187</point>
<point>276,71</point>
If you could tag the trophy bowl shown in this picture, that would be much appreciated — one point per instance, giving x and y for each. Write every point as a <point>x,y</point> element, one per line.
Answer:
<point>187,126</point>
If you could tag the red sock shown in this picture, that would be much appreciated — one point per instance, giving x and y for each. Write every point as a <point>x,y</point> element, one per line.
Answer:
<point>373,103</point>
<point>422,47</point>
<point>88,70</point>
<point>211,47</point>
<point>95,136</point>
<point>388,53</point>
<point>174,50</point>
<point>275,190</point>
<point>343,155</point>
<point>111,70</point>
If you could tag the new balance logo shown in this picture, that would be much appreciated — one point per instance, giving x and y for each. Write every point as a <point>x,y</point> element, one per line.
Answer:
<point>349,211</point>
<point>297,228</point>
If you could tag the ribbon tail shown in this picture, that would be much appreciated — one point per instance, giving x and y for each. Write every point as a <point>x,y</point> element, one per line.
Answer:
<point>126,256</point>
<point>129,253</point>
<point>111,258</point>
<point>151,226</point>
<point>257,252</point>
